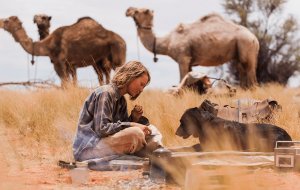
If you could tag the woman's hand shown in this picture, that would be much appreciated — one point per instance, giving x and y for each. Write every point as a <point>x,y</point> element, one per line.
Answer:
<point>136,113</point>
<point>147,131</point>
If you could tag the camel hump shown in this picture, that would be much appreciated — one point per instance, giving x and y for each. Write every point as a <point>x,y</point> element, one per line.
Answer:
<point>95,27</point>
<point>84,18</point>
<point>88,20</point>
<point>210,16</point>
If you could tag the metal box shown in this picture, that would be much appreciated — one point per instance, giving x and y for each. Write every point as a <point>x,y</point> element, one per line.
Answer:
<point>168,166</point>
<point>287,155</point>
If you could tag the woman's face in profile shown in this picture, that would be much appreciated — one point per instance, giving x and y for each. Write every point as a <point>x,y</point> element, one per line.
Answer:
<point>136,86</point>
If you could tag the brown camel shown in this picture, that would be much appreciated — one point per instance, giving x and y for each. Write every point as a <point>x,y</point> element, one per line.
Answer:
<point>210,41</point>
<point>84,43</point>
<point>103,66</point>
<point>43,23</point>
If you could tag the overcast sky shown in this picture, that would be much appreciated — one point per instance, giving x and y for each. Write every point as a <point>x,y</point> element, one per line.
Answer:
<point>15,62</point>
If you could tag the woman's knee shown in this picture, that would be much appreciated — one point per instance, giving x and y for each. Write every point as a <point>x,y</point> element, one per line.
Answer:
<point>132,139</point>
<point>138,140</point>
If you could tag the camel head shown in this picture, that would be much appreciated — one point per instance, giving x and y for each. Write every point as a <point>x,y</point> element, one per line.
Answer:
<point>143,18</point>
<point>42,21</point>
<point>11,24</point>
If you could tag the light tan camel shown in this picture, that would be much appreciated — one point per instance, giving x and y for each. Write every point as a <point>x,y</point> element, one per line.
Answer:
<point>210,41</point>
<point>82,44</point>
<point>102,66</point>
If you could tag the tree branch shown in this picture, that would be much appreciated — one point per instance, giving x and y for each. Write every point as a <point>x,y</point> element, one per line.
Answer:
<point>34,83</point>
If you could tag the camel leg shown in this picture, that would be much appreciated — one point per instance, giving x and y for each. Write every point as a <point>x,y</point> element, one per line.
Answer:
<point>248,62</point>
<point>184,66</point>
<point>99,74</point>
<point>247,73</point>
<point>242,75</point>
<point>252,80</point>
<point>107,75</point>
<point>61,71</point>
<point>74,75</point>
<point>71,70</point>
<point>106,69</point>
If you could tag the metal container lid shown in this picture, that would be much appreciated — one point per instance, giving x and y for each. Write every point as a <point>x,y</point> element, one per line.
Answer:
<point>162,152</point>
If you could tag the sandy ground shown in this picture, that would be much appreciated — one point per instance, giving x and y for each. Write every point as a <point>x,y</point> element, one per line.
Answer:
<point>19,170</point>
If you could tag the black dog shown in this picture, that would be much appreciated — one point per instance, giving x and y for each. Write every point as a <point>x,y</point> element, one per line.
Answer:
<point>216,133</point>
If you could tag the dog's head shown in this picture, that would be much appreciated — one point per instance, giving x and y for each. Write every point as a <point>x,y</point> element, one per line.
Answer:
<point>190,122</point>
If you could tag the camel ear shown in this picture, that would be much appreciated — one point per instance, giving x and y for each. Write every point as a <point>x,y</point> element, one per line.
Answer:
<point>34,19</point>
<point>148,11</point>
<point>131,11</point>
<point>49,18</point>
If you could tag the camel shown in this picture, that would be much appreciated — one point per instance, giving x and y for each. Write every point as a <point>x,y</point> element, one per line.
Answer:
<point>209,41</point>
<point>103,66</point>
<point>43,23</point>
<point>81,44</point>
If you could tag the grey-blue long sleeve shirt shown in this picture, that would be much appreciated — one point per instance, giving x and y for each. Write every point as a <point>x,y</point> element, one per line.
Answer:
<point>104,113</point>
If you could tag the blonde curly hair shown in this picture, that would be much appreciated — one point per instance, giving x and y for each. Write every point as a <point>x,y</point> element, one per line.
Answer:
<point>128,72</point>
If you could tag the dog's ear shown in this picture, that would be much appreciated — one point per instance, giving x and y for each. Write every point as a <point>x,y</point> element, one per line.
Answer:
<point>195,108</point>
<point>209,106</point>
<point>205,115</point>
<point>194,112</point>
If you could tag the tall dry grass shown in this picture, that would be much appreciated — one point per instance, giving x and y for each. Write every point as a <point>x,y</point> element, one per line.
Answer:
<point>46,119</point>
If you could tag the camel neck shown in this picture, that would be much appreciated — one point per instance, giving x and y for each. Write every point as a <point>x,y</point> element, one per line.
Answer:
<point>43,34</point>
<point>21,37</point>
<point>149,39</point>
<point>34,48</point>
